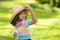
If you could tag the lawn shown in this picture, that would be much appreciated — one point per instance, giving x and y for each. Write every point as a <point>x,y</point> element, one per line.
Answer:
<point>47,27</point>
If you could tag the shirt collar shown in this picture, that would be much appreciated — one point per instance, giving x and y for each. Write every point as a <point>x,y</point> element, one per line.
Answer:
<point>19,21</point>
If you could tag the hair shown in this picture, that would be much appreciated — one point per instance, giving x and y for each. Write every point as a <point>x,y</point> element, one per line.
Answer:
<point>16,18</point>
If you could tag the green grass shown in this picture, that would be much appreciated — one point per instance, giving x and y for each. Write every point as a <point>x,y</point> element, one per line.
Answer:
<point>47,27</point>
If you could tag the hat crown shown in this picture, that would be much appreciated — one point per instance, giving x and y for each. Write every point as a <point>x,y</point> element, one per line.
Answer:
<point>16,8</point>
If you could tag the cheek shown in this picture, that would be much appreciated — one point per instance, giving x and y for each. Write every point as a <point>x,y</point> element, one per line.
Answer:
<point>25,15</point>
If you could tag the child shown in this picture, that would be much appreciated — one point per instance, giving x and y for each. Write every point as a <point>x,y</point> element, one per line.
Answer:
<point>20,22</point>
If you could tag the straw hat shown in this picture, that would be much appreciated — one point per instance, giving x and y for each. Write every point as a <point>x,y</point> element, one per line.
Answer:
<point>16,10</point>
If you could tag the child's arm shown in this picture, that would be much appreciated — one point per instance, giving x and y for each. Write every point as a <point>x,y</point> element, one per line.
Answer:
<point>15,34</point>
<point>34,19</point>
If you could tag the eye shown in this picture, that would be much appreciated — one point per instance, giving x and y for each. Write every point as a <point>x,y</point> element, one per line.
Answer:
<point>20,13</point>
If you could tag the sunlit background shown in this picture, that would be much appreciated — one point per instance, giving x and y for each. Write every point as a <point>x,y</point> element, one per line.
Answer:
<point>48,15</point>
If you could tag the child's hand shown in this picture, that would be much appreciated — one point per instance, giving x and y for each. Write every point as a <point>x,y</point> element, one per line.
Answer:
<point>28,7</point>
<point>15,35</point>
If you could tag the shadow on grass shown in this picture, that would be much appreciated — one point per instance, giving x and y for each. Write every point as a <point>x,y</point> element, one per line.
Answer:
<point>4,20</point>
<point>43,14</point>
<point>5,10</point>
<point>6,38</point>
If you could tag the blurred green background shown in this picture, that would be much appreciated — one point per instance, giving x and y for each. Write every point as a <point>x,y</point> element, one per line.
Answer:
<point>48,15</point>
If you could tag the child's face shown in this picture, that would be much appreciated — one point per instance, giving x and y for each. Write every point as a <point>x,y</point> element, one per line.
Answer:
<point>22,15</point>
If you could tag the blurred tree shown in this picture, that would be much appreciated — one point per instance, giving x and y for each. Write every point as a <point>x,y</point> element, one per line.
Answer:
<point>54,3</point>
<point>43,1</point>
<point>58,5</point>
